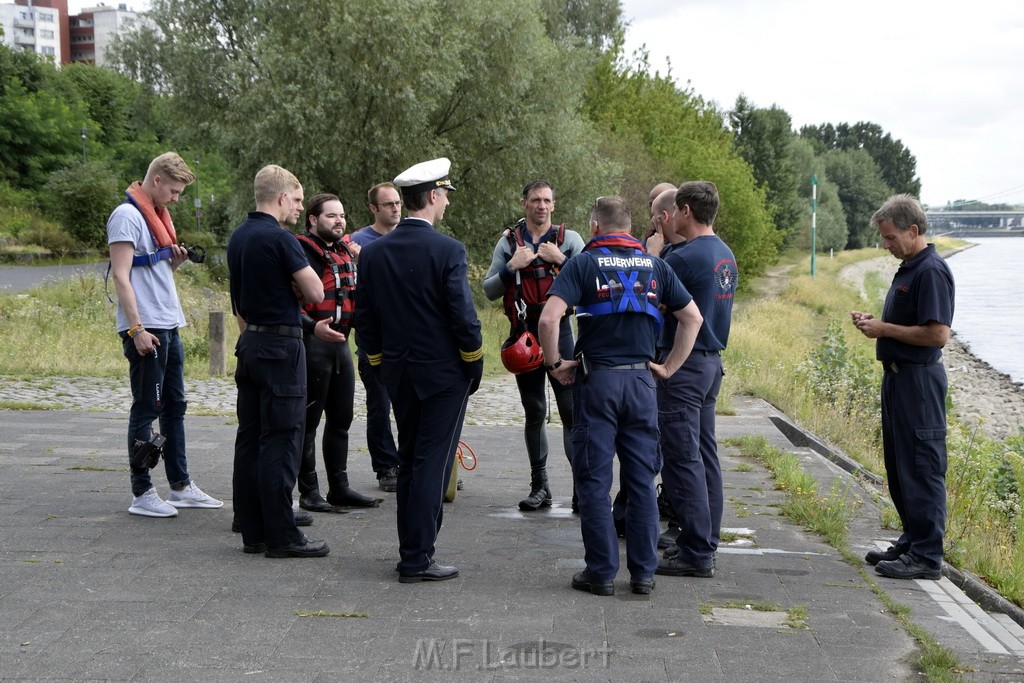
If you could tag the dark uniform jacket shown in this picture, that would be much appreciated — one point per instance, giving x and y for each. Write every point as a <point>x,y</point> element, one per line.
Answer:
<point>414,309</point>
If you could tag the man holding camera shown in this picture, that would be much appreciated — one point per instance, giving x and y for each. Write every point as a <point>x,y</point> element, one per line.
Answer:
<point>330,376</point>
<point>144,254</point>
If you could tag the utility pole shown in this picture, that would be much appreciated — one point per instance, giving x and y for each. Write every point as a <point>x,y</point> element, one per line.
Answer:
<point>814,222</point>
<point>199,201</point>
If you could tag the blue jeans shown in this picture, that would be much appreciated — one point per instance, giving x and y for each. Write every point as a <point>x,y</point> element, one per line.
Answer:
<point>615,413</point>
<point>691,473</point>
<point>158,392</point>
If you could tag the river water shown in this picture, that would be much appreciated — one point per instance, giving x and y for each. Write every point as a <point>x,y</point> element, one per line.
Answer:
<point>989,314</point>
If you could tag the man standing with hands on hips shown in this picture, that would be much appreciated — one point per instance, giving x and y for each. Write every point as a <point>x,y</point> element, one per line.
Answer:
<point>617,289</point>
<point>419,329</point>
<point>910,335</point>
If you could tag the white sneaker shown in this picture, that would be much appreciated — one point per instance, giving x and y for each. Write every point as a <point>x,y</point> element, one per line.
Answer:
<point>192,497</point>
<point>149,504</point>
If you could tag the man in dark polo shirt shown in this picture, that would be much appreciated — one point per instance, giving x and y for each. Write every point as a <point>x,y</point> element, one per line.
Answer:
<point>913,329</point>
<point>617,289</point>
<point>270,279</point>
<point>691,474</point>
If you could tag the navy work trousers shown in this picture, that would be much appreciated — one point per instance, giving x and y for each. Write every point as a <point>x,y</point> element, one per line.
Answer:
<point>691,474</point>
<point>271,379</point>
<point>615,411</point>
<point>914,445</point>
<point>379,439</point>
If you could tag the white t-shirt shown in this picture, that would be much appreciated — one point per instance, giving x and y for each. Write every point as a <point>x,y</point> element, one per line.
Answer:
<point>155,293</point>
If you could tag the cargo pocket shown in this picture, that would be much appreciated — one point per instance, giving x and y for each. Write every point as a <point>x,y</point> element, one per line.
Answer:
<point>930,449</point>
<point>676,435</point>
<point>289,409</point>
<point>580,437</point>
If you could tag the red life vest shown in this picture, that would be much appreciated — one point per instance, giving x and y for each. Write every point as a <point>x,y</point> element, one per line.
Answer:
<point>535,279</point>
<point>339,277</point>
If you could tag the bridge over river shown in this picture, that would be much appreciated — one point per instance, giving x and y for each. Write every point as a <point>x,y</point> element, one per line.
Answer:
<point>964,223</point>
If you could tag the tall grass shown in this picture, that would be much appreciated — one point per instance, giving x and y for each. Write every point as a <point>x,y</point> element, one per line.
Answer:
<point>67,328</point>
<point>800,352</point>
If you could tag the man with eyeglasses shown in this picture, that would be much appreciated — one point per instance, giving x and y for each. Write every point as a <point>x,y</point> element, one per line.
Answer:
<point>386,207</point>
<point>420,332</point>
<point>617,289</point>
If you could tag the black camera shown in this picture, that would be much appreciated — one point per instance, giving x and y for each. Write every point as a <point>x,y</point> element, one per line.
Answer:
<point>147,453</point>
<point>196,253</point>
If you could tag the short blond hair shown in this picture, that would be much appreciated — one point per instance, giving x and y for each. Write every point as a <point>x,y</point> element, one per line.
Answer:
<point>171,166</point>
<point>273,181</point>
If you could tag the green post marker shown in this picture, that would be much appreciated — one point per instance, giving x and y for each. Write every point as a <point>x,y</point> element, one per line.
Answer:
<point>814,222</point>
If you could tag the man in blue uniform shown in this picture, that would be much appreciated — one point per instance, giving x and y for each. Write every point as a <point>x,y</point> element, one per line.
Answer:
<point>386,207</point>
<point>617,289</point>
<point>911,333</point>
<point>691,475</point>
<point>330,377</point>
<point>419,329</point>
<point>267,271</point>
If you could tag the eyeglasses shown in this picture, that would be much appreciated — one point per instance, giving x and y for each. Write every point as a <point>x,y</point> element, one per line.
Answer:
<point>389,205</point>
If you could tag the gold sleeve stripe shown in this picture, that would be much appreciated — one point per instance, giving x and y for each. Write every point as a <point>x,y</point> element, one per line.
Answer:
<point>471,356</point>
<point>375,358</point>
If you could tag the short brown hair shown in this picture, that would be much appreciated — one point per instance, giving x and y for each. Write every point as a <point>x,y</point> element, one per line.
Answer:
<point>702,197</point>
<point>316,205</point>
<point>171,166</point>
<point>273,181</point>
<point>374,192</point>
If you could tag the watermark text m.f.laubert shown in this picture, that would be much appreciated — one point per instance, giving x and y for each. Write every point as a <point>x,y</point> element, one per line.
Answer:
<point>460,654</point>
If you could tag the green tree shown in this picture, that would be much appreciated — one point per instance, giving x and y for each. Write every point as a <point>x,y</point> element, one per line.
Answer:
<point>81,198</point>
<point>765,139</point>
<point>896,165</point>
<point>688,140</point>
<point>861,191</point>
<point>831,229</point>
<point>41,118</point>
<point>481,83</point>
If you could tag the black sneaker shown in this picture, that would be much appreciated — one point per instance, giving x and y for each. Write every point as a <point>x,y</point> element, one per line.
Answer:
<point>674,566</point>
<point>388,479</point>
<point>888,555</point>
<point>906,567</point>
<point>585,581</point>
<point>642,586</point>
<point>668,537</point>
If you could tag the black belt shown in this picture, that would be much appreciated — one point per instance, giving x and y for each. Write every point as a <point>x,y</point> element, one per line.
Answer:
<point>283,330</point>
<point>701,352</point>
<point>896,366</point>
<point>627,366</point>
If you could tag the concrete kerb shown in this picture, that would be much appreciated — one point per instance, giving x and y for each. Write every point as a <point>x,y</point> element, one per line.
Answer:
<point>971,584</point>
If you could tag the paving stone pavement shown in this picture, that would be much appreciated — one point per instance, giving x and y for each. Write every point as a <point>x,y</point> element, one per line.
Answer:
<point>88,591</point>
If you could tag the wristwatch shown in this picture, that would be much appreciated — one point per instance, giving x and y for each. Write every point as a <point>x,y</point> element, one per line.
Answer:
<point>554,366</point>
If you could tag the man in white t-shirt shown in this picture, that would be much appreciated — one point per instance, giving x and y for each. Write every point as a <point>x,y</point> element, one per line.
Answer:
<point>144,255</point>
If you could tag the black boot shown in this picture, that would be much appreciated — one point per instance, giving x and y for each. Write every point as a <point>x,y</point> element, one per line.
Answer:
<point>314,502</point>
<point>540,494</point>
<point>340,494</point>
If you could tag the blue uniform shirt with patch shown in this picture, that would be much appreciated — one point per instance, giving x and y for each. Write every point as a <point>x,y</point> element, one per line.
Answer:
<point>922,291</point>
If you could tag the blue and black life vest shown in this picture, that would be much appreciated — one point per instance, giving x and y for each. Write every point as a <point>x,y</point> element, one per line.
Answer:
<point>627,283</point>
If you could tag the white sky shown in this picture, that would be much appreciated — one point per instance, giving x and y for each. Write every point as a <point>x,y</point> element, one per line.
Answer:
<point>944,76</point>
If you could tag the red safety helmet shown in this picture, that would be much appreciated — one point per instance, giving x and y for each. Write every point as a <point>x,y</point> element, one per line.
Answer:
<point>522,354</point>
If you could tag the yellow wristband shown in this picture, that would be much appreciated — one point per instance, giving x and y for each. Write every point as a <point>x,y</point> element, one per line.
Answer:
<point>132,331</point>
